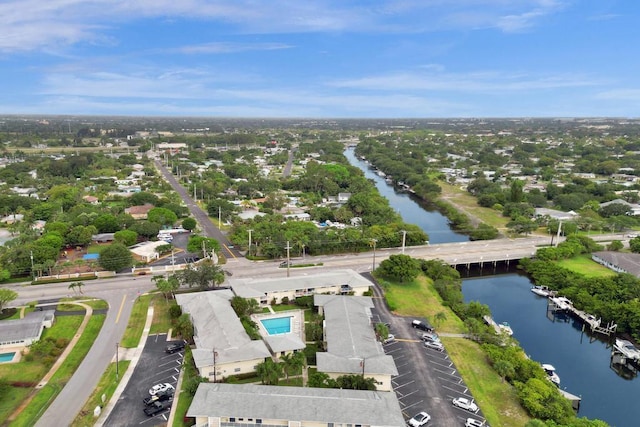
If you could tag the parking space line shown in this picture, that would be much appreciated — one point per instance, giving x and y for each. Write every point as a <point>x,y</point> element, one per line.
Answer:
<point>401,375</point>
<point>415,404</point>
<point>405,384</point>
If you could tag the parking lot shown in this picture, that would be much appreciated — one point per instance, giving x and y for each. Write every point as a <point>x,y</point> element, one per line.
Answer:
<point>154,367</point>
<point>427,379</point>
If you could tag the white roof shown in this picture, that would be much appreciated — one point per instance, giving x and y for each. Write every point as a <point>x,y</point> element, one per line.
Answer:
<point>218,328</point>
<point>321,405</point>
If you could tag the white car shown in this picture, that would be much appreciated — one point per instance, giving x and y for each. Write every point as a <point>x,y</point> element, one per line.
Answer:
<point>420,419</point>
<point>465,404</point>
<point>435,345</point>
<point>430,336</point>
<point>160,387</point>
<point>390,338</point>
<point>472,422</point>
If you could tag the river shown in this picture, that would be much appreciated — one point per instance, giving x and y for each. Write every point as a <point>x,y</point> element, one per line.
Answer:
<point>582,363</point>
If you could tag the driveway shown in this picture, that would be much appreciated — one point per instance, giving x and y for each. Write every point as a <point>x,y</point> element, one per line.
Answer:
<point>427,379</point>
<point>154,367</point>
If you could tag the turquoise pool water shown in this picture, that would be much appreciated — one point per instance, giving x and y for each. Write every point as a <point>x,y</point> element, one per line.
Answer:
<point>277,325</point>
<point>7,357</point>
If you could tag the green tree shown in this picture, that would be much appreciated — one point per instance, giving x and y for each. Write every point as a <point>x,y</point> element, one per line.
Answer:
<point>522,225</point>
<point>107,223</point>
<point>184,327</point>
<point>126,237</point>
<point>166,285</point>
<point>634,245</point>
<point>115,257</point>
<point>197,243</point>
<point>400,267</point>
<point>269,372</point>
<point>615,246</point>
<point>6,296</point>
<point>189,224</point>
<point>321,380</point>
<point>76,287</point>
<point>205,275</point>
<point>162,216</point>
<point>356,382</point>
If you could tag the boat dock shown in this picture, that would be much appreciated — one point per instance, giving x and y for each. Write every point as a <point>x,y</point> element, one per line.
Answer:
<point>499,328</point>
<point>564,304</point>
<point>575,400</point>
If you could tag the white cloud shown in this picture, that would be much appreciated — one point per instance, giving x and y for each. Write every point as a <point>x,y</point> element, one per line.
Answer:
<point>220,47</point>
<point>434,79</point>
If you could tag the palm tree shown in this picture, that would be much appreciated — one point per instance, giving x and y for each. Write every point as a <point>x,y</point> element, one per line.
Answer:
<point>269,372</point>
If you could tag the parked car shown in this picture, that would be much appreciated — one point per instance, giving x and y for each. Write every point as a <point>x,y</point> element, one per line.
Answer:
<point>156,407</point>
<point>430,336</point>
<point>420,419</point>
<point>472,422</point>
<point>158,397</point>
<point>435,345</point>
<point>285,264</point>
<point>174,346</point>
<point>464,403</point>
<point>390,338</point>
<point>422,325</point>
<point>158,388</point>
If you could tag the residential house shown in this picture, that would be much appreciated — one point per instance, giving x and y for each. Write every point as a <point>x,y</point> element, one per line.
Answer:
<point>17,334</point>
<point>146,251</point>
<point>140,211</point>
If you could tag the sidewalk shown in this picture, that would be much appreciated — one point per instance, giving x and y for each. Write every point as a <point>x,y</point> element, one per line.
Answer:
<point>132,354</point>
<point>59,361</point>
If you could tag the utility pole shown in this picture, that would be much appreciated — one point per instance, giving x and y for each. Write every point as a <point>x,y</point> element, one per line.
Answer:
<point>33,273</point>
<point>195,195</point>
<point>249,241</point>
<point>117,371</point>
<point>374,254</point>
<point>559,229</point>
<point>404,239</point>
<point>288,262</point>
<point>215,354</point>
<point>220,217</point>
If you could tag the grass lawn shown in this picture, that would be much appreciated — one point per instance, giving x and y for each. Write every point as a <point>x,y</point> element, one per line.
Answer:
<point>107,385</point>
<point>418,298</point>
<point>497,399</point>
<point>285,307</point>
<point>469,205</point>
<point>137,320</point>
<point>161,319</point>
<point>584,265</point>
<point>48,393</point>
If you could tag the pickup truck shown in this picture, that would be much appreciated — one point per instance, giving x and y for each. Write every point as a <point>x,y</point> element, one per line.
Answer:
<point>156,407</point>
<point>159,397</point>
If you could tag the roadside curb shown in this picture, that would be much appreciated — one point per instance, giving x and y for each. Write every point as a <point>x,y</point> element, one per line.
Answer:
<point>135,356</point>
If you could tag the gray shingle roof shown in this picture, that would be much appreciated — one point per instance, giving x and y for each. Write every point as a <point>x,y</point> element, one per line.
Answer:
<point>257,287</point>
<point>351,338</point>
<point>216,326</point>
<point>374,408</point>
<point>627,262</point>
<point>26,328</point>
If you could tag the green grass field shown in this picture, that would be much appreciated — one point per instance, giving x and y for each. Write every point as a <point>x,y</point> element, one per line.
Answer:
<point>584,265</point>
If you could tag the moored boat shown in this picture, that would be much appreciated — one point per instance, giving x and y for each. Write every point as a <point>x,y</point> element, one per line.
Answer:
<point>627,349</point>
<point>550,370</point>
<point>542,291</point>
<point>505,327</point>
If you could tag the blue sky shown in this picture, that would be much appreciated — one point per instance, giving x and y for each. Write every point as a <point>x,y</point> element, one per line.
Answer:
<point>321,58</point>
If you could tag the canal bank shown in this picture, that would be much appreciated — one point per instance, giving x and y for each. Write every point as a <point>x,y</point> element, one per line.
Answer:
<point>582,363</point>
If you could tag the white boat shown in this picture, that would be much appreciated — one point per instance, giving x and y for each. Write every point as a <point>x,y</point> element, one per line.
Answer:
<point>627,349</point>
<point>561,303</point>
<point>505,327</point>
<point>542,291</point>
<point>550,370</point>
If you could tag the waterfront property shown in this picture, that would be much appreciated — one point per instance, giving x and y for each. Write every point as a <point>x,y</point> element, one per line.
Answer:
<point>216,405</point>
<point>274,290</point>
<point>350,341</point>
<point>223,347</point>
<point>619,262</point>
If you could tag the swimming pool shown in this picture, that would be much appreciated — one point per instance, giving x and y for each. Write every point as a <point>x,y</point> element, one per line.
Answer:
<point>7,357</point>
<point>277,325</point>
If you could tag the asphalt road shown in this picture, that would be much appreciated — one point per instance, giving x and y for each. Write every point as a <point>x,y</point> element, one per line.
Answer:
<point>427,380</point>
<point>154,367</point>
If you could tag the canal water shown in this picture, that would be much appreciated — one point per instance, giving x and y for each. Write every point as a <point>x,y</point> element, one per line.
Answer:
<point>583,363</point>
<point>413,210</point>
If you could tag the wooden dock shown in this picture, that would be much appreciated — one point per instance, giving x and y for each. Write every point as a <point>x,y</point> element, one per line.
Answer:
<point>595,324</point>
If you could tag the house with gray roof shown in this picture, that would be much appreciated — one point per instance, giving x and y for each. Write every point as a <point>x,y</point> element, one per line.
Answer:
<point>17,334</point>
<point>249,404</point>
<point>265,290</point>
<point>223,347</point>
<point>620,262</point>
<point>350,340</point>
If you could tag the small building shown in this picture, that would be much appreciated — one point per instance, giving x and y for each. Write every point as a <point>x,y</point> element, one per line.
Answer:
<point>103,237</point>
<point>230,405</point>
<point>223,347</point>
<point>20,333</point>
<point>620,262</point>
<point>350,340</point>
<point>91,199</point>
<point>267,290</point>
<point>140,211</point>
<point>12,219</point>
<point>146,251</point>
<point>555,214</point>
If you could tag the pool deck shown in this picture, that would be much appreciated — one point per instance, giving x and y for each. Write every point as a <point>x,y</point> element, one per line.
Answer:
<point>297,324</point>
